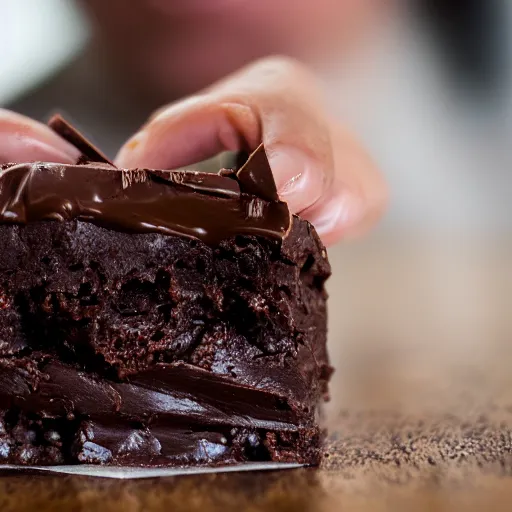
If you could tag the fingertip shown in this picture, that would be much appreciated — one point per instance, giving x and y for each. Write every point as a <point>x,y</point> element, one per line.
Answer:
<point>129,155</point>
<point>21,148</point>
<point>179,135</point>
<point>24,140</point>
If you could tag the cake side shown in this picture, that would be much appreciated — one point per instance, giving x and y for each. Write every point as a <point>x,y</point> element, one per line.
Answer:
<point>93,316</point>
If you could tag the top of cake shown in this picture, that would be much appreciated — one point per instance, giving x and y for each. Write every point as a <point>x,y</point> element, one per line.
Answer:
<point>208,207</point>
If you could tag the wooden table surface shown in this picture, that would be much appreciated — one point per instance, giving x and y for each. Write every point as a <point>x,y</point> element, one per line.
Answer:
<point>421,409</point>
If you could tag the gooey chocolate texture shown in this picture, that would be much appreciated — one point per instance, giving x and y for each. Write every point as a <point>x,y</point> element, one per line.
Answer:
<point>199,205</point>
<point>152,317</point>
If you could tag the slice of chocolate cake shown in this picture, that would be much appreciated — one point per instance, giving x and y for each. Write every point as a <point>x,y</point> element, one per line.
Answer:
<point>157,317</point>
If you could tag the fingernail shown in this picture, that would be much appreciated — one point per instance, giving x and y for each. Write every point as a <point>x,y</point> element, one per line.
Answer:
<point>299,178</point>
<point>128,155</point>
<point>340,213</point>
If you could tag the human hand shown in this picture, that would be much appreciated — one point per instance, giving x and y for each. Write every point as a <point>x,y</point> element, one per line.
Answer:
<point>319,167</point>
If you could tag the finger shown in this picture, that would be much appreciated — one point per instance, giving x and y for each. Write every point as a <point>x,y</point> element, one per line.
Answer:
<point>25,140</point>
<point>358,196</point>
<point>275,101</point>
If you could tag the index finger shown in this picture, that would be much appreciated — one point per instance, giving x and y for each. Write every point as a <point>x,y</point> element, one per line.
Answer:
<point>24,140</point>
<point>274,101</point>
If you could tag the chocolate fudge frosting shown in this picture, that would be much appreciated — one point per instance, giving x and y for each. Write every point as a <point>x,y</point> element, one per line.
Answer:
<point>205,206</point>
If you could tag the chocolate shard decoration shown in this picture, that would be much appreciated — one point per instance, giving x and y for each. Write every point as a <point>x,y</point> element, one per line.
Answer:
<point>69,133</point>
<point>256,178</point>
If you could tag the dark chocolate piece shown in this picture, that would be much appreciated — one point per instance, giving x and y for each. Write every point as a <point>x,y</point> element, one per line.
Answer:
<point>256,178</point>
<point>68,132</point>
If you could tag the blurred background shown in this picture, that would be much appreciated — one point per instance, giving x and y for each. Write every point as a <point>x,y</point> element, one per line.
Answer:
<point>425,300</point>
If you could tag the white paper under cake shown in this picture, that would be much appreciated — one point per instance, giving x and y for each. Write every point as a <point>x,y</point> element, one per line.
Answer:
<point>124,473</point>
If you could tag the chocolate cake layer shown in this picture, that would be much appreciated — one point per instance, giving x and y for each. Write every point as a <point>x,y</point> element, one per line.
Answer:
<point>157,318</point>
